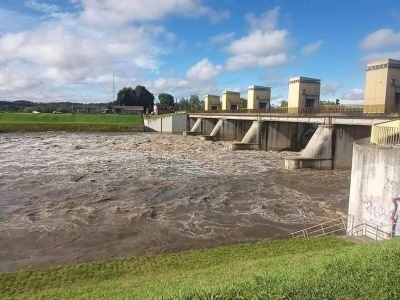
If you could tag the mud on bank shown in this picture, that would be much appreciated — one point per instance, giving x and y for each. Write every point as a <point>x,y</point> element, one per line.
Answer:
<point>70,197</point>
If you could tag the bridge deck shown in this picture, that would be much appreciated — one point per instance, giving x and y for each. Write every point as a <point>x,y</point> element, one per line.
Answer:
<point>327,119</point>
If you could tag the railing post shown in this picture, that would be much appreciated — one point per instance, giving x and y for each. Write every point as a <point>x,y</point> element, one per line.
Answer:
<point>364,229</point>
<point>323,232</point>
<point>376,235</point>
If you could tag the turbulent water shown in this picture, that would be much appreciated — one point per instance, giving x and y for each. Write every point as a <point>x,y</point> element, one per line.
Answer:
<point>68,197</point>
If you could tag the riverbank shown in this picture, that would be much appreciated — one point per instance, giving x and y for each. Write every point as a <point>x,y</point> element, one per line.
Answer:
<point>313,268</point>
<point>17,122</point>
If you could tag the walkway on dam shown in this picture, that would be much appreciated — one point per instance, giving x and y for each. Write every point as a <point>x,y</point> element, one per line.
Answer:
<point>324,119</point>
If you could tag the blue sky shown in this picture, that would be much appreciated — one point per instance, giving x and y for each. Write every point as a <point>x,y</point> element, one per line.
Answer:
<point>53,50</point>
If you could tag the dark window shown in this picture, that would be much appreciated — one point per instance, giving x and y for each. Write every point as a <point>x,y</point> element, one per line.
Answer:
<point>310,102</point>
<point>234,106</point>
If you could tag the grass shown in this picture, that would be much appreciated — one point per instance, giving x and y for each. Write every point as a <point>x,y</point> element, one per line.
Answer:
<point>315,268</point>
<point>67,122</point>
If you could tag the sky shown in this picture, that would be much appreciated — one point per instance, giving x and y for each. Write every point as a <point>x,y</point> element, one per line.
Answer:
<point>53,50</point>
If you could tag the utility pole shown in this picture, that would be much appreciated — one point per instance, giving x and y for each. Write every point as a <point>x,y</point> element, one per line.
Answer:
<point>113,96</point>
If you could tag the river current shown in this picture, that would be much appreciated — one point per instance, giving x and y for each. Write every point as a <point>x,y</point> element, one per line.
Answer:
<point>78,197</point>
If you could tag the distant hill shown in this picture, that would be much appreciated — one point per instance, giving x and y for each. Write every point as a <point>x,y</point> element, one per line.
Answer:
<point>66,107</point>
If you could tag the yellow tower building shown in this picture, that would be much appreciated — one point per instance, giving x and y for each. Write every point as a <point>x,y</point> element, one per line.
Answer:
<point>211,103</point>
<point>304,92</point>
<point>382,86</point>
<point>258,97</point>
<point>230,100</point>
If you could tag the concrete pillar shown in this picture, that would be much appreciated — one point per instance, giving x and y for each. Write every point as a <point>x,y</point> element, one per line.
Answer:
<point>214,132</point>
<point>195,129</point>
<point>196,125</point>
<point>253,135</point>
<point>320,145</point>
<point>375,189</point>
<point>251,141</point>
<point>217,127</point>
<point>319,151</point>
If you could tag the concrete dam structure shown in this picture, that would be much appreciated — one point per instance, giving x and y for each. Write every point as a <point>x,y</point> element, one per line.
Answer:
<point>327,142</point>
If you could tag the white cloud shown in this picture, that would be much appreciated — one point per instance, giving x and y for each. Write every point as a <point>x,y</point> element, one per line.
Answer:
<point>354,94</point>
<point>330,88</point>
<point>199,79</point>
<point>311,48</point>
<point>115,13</point>
<point>41,6</point>
<point>381,55</point>
<point>381,39</point>
<point>248,61</point>
<point>222,38</point>
<point>203,70</point>
<point>266,22</point>
<point>261,43</point>
<point>265,45</point>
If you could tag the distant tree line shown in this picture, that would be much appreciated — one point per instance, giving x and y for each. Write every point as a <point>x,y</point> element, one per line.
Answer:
<point>23,106</point>
<point>127,96</point>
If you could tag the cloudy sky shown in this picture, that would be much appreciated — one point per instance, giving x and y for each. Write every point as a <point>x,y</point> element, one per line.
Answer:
<point>53,50</point>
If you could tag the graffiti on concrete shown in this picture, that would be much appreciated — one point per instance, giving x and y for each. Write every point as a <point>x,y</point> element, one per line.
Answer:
<point>394,217</point>
<point>392,186</point>
<point>375,209</point>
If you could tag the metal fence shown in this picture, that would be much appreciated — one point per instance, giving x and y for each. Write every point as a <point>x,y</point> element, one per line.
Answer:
<point>350,110</point>
<point>345,225</point>
<point>338,225</point>
<point>388,135</point>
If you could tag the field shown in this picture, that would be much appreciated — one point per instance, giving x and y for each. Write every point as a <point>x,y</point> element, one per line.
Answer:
<point>315,268</point>
<point>68,122</point>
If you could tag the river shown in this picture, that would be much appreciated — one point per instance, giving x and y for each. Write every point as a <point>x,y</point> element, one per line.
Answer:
<point>78,197</point>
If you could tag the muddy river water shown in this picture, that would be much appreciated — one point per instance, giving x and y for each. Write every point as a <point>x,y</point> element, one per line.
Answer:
<point>71,197</point>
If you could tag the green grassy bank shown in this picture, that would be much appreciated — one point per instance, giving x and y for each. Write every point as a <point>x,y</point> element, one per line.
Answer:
<point>67,122</point>
<point>316,268</point>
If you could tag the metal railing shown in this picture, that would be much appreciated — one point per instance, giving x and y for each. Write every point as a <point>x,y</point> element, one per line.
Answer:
<point>345,225</point>
<point>353,110</point>
<point>326,228</point>
<point>386,134</point>
<point>374,231</point>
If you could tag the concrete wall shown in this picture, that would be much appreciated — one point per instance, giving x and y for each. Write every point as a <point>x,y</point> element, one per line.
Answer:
<point>257,94</point>
<point>229,98</point>
<point>379,94</point>
<point>278,136</point>
<point>210,101</point>
<point>296,98</point>
<point>345,136</point>
<point>375,185</point>
<point>170,123</point>
<point>208,126</point>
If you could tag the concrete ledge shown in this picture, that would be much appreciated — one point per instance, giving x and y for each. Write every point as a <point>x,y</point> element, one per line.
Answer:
<point>299,162</point>
<point>207,138</point>
<point>244,146</point>
<point>191,133</point>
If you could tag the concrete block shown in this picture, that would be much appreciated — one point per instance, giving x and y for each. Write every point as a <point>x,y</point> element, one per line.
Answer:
<point>245,146</point>
<point>207,138</point>
<point>191,133</point>
<point>298,162</point>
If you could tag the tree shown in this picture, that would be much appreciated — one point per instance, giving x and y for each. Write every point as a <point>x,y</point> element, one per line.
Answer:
<point>183,104</point>
<point>126,96</point>
<point>327,103</point>
<point>195,103</point>
<point>144,97</point>
<point>166,99</point>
